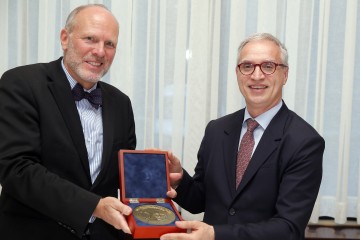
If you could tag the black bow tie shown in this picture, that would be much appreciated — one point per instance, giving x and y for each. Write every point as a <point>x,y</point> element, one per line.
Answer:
<point>94,97</point>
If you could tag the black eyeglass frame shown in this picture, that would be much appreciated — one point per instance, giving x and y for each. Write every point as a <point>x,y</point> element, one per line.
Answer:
<point>259,64</point>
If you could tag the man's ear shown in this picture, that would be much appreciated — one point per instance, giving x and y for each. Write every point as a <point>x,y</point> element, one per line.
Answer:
<point>236,69</point>
<point>286,75</point>
<point>64,38</point>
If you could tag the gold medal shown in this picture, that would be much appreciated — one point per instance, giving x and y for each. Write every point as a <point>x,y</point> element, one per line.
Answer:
<point>154,214</point>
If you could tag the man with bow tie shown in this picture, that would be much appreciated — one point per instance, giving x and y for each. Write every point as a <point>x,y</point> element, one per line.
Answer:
<point>61,129</point>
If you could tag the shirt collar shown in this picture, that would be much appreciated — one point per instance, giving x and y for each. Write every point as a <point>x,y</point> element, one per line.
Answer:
<point>264,118</point>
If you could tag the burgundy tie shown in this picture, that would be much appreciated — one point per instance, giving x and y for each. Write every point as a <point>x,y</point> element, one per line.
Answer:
<point>245,150</point>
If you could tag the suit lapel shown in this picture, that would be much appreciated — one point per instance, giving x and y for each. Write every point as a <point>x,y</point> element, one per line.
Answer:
<point>230,147</point>
<point>60,89</point>
<point>268,144</point>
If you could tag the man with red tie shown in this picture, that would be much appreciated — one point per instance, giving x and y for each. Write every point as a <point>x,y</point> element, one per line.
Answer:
<point>259,169</point>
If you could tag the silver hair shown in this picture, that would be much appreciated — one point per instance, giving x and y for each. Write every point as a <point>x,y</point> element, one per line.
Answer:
<point>70,21</point>
<point>265,36</point>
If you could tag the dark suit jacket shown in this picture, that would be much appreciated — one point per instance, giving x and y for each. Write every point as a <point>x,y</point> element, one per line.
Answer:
<point>279,188</point>
<point>44,171</point>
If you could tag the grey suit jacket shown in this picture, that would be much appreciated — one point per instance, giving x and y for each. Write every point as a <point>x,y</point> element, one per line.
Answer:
<point>276,195</point>
<point>44,171</point>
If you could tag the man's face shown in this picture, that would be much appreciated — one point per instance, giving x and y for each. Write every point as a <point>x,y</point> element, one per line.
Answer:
<point>261,92</point>
<point>90,47</point>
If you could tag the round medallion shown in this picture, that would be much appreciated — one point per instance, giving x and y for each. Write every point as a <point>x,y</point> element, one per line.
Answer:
<point>154,214</point>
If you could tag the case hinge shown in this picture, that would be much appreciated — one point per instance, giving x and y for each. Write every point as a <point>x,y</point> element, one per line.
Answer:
<point>134,200</point>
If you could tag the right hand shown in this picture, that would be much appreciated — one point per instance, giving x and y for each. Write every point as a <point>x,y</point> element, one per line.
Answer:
<point>112,211</point>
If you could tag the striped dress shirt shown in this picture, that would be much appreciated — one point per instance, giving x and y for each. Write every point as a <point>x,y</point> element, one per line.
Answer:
<point>91,121</point>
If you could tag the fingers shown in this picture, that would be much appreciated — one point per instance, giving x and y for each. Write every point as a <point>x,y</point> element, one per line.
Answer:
<point>175,236</point>
<point>121,224</point>
<point>175,176</point>
<point>112,211</point>
<point>172,193</point>
<point>152,149</point>
<point>187,224</point>
<point>120,220</point>
<point>174,164</point>
<point>178,236</point>
<point>173,159</point>
<point>124,209</point>
<point>175,170</point>
<point>199,231</point>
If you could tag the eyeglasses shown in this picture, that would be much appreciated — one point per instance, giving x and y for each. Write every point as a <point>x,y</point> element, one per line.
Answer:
<point>267,68</point>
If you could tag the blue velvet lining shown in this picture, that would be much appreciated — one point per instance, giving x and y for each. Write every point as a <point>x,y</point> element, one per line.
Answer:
<point>145,175</point>
<point>167,205</point>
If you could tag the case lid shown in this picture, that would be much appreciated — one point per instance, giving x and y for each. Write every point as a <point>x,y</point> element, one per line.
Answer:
<point>143,174</point>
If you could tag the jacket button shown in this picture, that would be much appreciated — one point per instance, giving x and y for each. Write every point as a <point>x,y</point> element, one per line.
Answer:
<point>232,211</point>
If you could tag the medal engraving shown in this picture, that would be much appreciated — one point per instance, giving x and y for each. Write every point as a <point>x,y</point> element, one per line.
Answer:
<point>154,214</point>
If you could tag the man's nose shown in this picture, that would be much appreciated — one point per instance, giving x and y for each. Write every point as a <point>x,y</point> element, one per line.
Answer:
<point>99,50</point>
<point>257,74</point>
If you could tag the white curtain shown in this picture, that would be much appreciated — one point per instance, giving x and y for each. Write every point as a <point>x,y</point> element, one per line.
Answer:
<point>176,61</point>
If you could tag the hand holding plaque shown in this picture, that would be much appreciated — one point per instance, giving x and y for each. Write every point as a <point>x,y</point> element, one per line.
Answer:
<point>144,181</point>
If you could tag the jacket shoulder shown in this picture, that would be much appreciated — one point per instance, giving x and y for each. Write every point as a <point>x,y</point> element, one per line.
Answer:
<point>296,124</point>
<point>33,71</point>
<point>228,121</point>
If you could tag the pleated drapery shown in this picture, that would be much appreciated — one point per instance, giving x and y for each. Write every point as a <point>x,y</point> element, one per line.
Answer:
<point>176,60</point>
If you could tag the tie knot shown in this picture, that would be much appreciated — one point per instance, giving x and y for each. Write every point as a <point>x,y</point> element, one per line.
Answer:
<point>251,124</point>
<point>94,97</point>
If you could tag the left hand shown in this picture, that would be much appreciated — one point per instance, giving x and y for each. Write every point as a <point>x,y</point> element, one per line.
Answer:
<point>199,231</point>
<point>175,170</point>
<point>175,174</point>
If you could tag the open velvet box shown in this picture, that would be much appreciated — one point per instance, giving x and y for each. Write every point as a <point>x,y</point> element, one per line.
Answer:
<point>144,181</point>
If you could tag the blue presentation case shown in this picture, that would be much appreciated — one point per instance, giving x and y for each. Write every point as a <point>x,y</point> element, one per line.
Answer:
<point>144,181</point>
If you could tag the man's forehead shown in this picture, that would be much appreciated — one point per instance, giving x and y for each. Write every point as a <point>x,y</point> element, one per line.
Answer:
<point>261,49</point>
